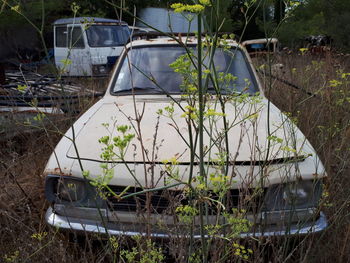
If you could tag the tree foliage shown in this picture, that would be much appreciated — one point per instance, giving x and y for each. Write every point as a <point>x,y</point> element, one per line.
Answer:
<point>249,19</point>
<point>310,17</point>
<point>315,17</point>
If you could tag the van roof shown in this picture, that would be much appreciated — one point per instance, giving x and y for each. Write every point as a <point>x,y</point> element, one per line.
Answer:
<point>79,20</point>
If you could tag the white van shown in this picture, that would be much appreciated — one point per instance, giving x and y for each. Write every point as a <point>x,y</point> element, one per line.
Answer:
<point>88,46</point>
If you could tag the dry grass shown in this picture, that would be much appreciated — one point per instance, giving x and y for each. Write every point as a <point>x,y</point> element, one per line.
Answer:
<point>324,121</point>
<point>22,200</point>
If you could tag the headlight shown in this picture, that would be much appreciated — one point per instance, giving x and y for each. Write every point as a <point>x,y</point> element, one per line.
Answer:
<point>71,190</point>
<point>75,197</point>
<point>293,195</point>
<point>64,189</point>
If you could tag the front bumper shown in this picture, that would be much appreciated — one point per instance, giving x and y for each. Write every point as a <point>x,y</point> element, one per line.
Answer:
<point>132,229</point>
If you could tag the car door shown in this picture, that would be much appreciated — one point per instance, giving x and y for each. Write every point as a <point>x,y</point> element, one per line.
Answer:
<point>72,54</point>
<point>78,52</point>
<point>61,47</point>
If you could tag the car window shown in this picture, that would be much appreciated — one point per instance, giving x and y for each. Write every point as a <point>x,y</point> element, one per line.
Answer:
<point>147,69</point>
<point>75,37</point>
<point>61,36</point>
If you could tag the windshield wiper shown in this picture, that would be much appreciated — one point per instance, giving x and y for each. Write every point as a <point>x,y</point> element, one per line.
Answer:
<point>212,89</point>
<point>225,91</point>
<point>139,88</point>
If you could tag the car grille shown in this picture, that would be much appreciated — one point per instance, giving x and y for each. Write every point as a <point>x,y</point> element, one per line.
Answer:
<point>166,201</point>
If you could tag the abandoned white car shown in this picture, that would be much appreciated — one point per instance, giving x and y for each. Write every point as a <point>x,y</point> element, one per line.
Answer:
<point>131,165</point>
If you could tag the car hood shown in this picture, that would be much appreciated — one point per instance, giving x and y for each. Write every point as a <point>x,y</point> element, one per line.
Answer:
<point>165,137</point>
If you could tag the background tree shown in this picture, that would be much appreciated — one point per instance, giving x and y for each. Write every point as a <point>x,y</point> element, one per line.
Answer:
<point>315,17</point>
<point>260,14</point>
<point>279,10</point>
<point>310,17</point>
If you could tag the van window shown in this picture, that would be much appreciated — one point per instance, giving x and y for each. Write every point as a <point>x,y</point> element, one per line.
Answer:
<point>76,39</point>
<point>107,35</point>
<point>61,36</point>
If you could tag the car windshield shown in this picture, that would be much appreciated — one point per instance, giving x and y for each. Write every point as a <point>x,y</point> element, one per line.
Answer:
<point>107,35</point>
<point>147,70</point>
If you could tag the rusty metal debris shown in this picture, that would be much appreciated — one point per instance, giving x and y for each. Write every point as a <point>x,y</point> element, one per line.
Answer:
<point>24,87</point>
<point>32,100</point>
<point>318,44</point>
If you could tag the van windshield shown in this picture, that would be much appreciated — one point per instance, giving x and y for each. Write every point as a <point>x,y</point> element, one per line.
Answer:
<point>147,70</point>
<point>107,35</point>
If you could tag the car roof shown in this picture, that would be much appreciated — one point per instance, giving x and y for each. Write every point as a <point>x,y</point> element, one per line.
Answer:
<point>79,20</point>
<point>163,40</point>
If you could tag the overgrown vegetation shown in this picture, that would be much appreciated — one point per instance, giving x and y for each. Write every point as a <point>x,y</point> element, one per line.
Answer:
<point>322,118</point>
<point>320,107</point>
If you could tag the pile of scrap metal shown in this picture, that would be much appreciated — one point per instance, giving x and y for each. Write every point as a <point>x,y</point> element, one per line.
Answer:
<point>30,101</point>
<point>319,44</point>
